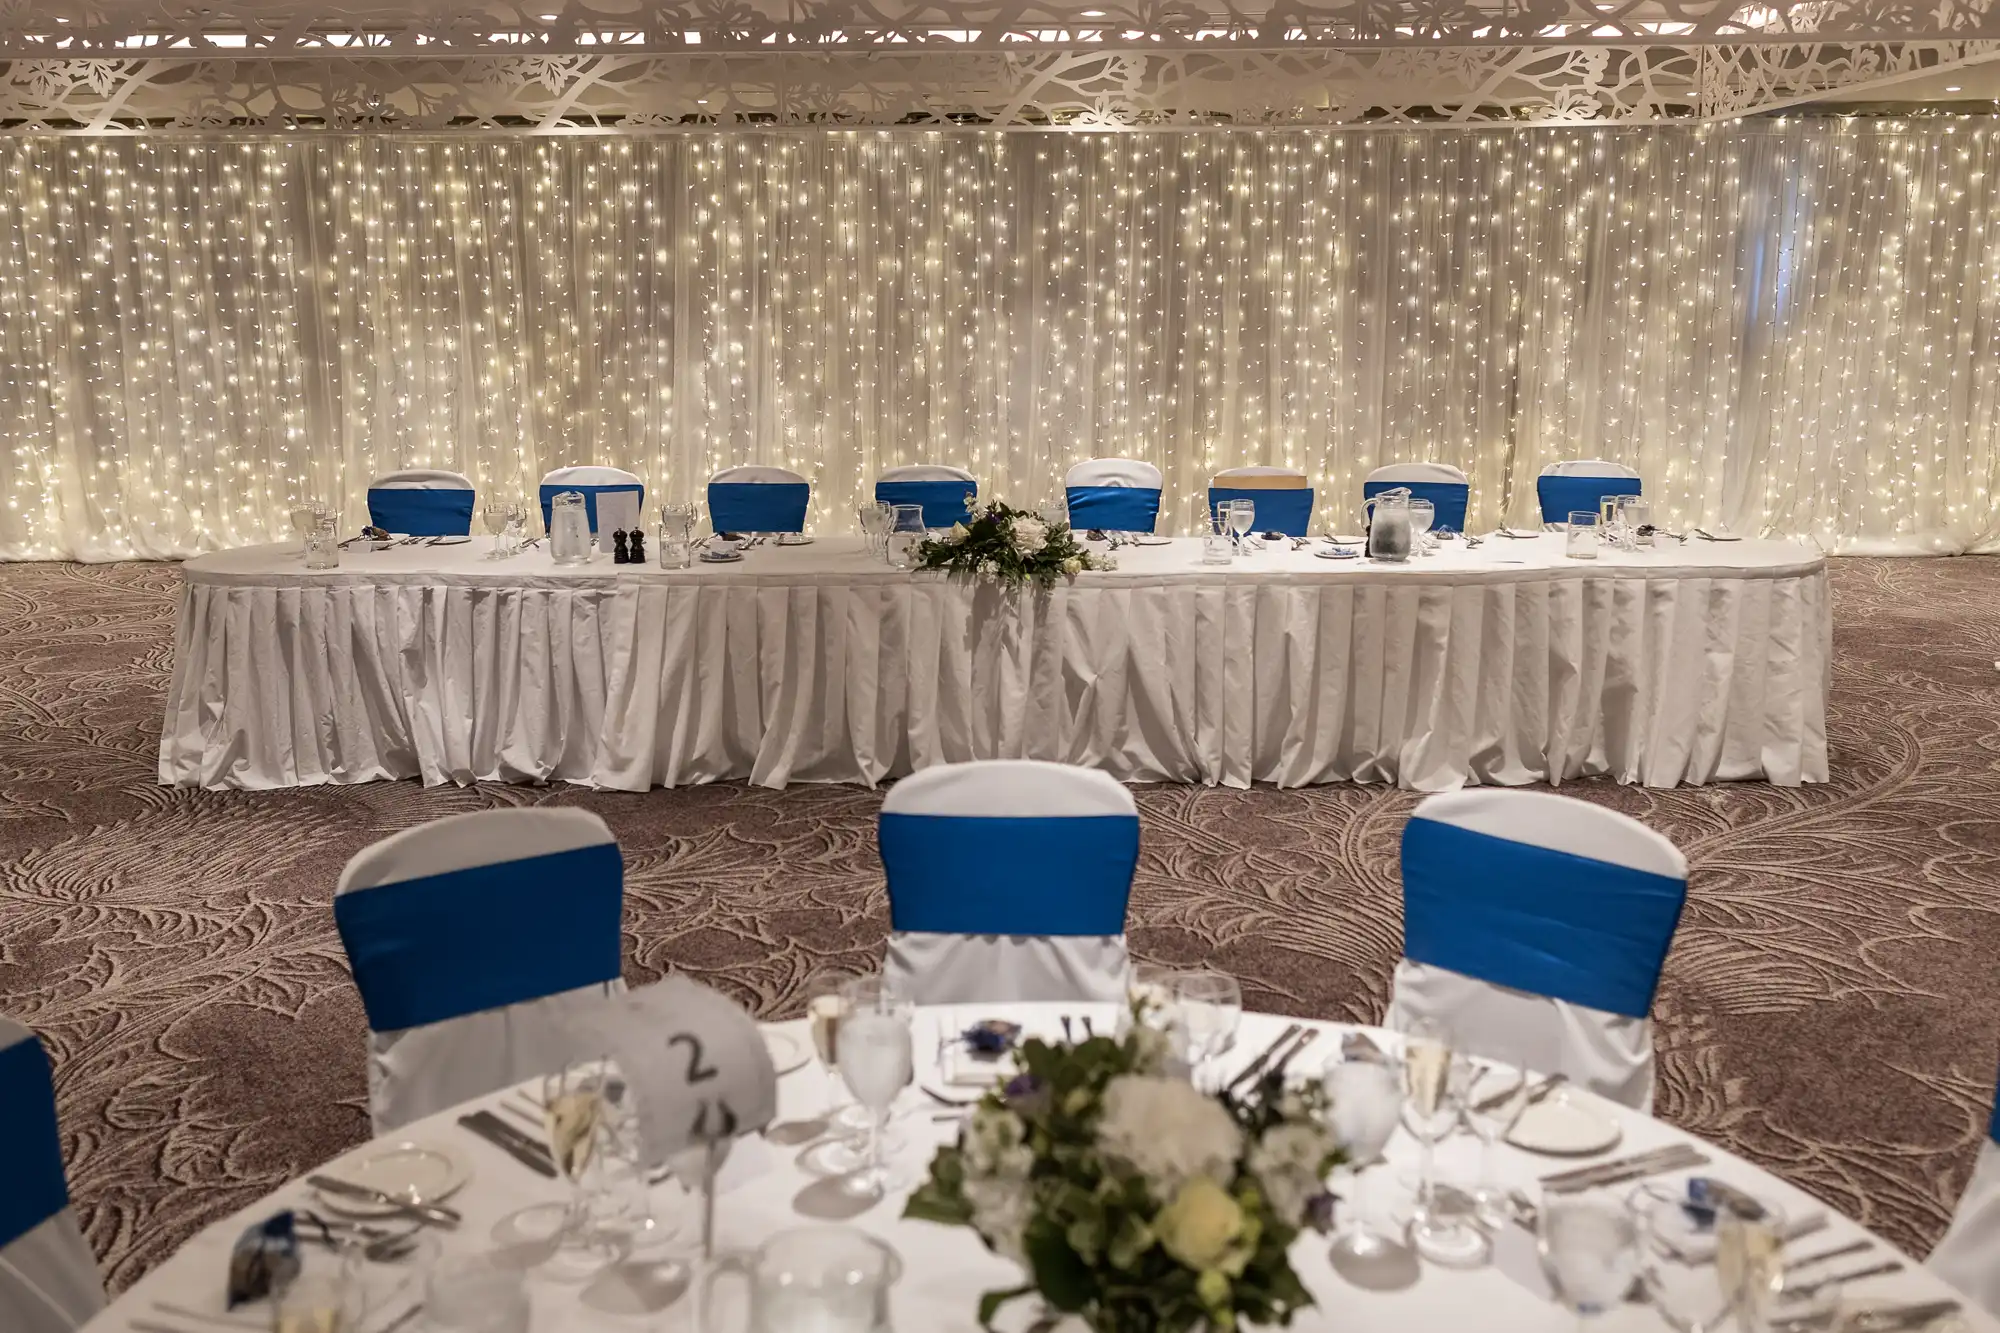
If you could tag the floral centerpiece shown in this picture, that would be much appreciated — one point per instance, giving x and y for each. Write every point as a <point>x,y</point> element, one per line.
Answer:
<point>1009,545</point>
<point>1133,1201</point>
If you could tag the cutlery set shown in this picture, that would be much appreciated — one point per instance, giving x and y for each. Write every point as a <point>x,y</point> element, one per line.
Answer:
<point>1674,1157</point>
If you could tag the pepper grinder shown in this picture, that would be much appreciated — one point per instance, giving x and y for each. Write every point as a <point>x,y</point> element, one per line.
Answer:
<point>636,549</point>
<point>619,555</point>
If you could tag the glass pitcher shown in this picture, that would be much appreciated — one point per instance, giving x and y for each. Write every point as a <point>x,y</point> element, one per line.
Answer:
<point>830,1278</point>
<point>569,529</point>
<point>1388,525</point>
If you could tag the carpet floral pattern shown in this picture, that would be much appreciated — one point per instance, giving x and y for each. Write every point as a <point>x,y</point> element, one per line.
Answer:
<point>1829,1009</point>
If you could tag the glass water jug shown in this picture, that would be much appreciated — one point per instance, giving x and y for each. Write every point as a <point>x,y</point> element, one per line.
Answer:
<point>1388,525</point>
<point>569,529</point>
<point>829,1278</point>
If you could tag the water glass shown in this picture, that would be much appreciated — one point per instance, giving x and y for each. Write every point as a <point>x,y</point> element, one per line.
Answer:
<point>1635,523</point>
<point>319,1302</point>
<point>906,533</point>
<point>499,519</point>
<point>1434,1083</point>
<point>1581,543</point>
<point>323,546</point>
<point>1422,514</point>
<point>469,1293</point>
<point>1496,1094</point>
<point>1363,1107</point>
<point>1686,1289</point>
<point>1209,1008</point>
<point>1590,1252</point>
<point>677,524</point>
<point>1242,519</point>
<point>875,1059</point>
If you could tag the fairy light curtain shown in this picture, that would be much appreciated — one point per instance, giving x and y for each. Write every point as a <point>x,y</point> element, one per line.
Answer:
<point>1787,327</point>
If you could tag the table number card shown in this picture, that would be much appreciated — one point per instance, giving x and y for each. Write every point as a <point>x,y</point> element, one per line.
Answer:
<point>617,511</point>
<point>698,1063</point>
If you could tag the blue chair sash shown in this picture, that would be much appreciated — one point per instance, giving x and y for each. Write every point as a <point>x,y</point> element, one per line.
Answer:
<point>1568,927</point>
<point>1560,495</point>
<point>944,502</point>
<point>758,506</point>
<point>1993,1125</point>
<point>589,494</point>
<point>974,875</point>
<point>421,513</point>
<point>426,950</point>
<point>35,1188</point>
<point>1448,498</point>
<point>1288,511</point>
<point>1113,508</point>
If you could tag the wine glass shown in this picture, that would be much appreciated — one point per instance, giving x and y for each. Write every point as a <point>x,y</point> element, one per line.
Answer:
<point>307,515</point>
<point>1750,1262</point>
<point>1242,518</point>
<point>1422,514</point>
<point>497,517</point>
<point>1495,1097</point>
<point>580,1109</point>
<point>1364,1104</point>
<point>1209,1006</point>
<point>826,1009</point>
<point>875,1058</point>
<point>1589,1246</point>
<point>1434,1078</point>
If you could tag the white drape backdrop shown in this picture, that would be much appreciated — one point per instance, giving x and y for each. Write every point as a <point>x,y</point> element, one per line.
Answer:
<point>1786,326</point>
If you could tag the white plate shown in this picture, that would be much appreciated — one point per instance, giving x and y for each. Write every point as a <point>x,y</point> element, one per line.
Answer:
<point>787,1051</point>
<point>1335,553</point>
<point>720,557</point>
<point>427,1172</point>
<point>1153,541</point>
<point>792,539</point>
<point>1562,1126</point>
<point>1344,541</point>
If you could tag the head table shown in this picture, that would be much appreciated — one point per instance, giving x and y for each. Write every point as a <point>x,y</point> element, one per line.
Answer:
<point>1501,663</point>
<point>944,1269</point>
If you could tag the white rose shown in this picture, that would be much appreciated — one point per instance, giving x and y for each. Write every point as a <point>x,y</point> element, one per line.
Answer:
<point>1072,566</point>
<point>959,532</point>
<point>1286,1164</point>
<point>1001,1211</point>
<point>1168,1132</point>
<point>995,1143</point>
<point>1030,535</point>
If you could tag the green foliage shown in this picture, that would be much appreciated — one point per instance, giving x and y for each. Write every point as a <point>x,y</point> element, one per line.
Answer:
<point>990,545</point>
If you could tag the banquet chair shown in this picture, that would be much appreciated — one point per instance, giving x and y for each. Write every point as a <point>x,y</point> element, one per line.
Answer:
<point>946,493</point>
<point>1282,495</point>
<point>1969,1255</point>
<point>1113,495</point>
<point>1008,880</point>
<point>1581,483</point>
<point>478,942</point>
<point>589,482</point>
<point>1440,483</point>
<point>1534,929</point>
<point>421,502</point>
<point>49,1281</point>
<point>758,499</point>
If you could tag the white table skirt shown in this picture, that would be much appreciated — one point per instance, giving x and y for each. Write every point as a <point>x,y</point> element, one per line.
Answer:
<point>1504,664</point>
<point>945,1268</point>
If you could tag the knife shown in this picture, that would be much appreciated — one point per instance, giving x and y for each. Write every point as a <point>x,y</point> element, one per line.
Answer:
<point>433,1213</point>
<point>1256,1067</point>
<point>1630,1168</point>
<point>1878,1270</point>
<point>528,1152</point>
<point>1306,1039</point>
<point>1639,1171</point>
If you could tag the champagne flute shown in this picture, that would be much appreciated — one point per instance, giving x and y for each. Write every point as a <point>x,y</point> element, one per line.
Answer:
<point>1364,1104</point>
<point>826,1009</point>
<point>319,1302</point>
<point>874,1055</point>
<point>1210,1008</point>
<point>1434,1079</point>
<point>1589,1247</point>
<point>1495,1097</point>
<point>1749,1261</point>
<point>575,1113</point>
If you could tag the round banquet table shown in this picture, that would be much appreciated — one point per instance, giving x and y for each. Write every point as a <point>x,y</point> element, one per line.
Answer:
<point>1502,663</point>
<point>945,1268</point>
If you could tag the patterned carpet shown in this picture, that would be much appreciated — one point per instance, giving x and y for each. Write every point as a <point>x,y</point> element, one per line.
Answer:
<point>1829,1008</point>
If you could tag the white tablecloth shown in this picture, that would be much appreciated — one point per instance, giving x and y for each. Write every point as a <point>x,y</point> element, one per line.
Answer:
<point>945,1268</point>
<point>1507,663</point>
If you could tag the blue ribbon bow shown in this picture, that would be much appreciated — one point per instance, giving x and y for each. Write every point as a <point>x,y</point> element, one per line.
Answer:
<point>998,875</point>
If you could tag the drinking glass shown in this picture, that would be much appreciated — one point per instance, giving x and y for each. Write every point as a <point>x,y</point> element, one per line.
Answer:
<point>470,1292</point>
<point>319,1302</point>
<point>1496,1094</point>
<point>827,1279</point>
<point>323,546</point>
<point>1242,518</point>
<point>1590,1252</point>
<point>875,1058</point>
<point>1581,544</point>
<point>677,524</point>
<point>1364,1104</point>
<point>1750,1262</point>
<point>826,1010</point>
<point>581,1108</point>
<point>1209,1007</point>
<point>1434,1078</point>
<point>1635,520</point>
<point>1422,514</point>
<point>1688,1292</point>
<point>906,533</point>
<point>497,517</point>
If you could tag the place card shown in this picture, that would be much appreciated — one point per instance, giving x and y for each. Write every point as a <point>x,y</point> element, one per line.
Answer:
<point>696,1062</point>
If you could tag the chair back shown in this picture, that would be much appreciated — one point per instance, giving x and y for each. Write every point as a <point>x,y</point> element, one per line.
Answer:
<point>1440,483</point>
<point>1535,926</point>
<point>589,482</point>
<point>1008,880</point>
<point>1969,1255</point>
<point>1282,495</point>
<point>474,941</point>
<point>758,499</point>
<point>49,1281</point>
<point>1582,483</point>
<point>946,493</point>
<point>421,502</point>
<point>1113,495</point>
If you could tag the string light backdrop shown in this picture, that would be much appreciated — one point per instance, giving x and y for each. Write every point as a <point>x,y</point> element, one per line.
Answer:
<point>1786,326</point>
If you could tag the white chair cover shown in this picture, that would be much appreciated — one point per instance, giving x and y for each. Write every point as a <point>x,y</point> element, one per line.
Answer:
<point>924,472</point>
<point>590,481</point>
<point>1590,467</point>
<point>472,899</point>
<point>1578,894</point>
<point>421,479</point>
<point>1046,891</point>
<point>1573,485</point>
<point>1280,476</point>
<point>49,1281</point>
<point>1969,1255</point>
<point>756,474</point>
<point>1403,474</point>
<point>1113,494</point>
<point>1114,472</point>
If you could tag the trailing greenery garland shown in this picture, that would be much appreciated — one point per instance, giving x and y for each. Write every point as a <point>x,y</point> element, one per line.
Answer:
<point>1009,545</point>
